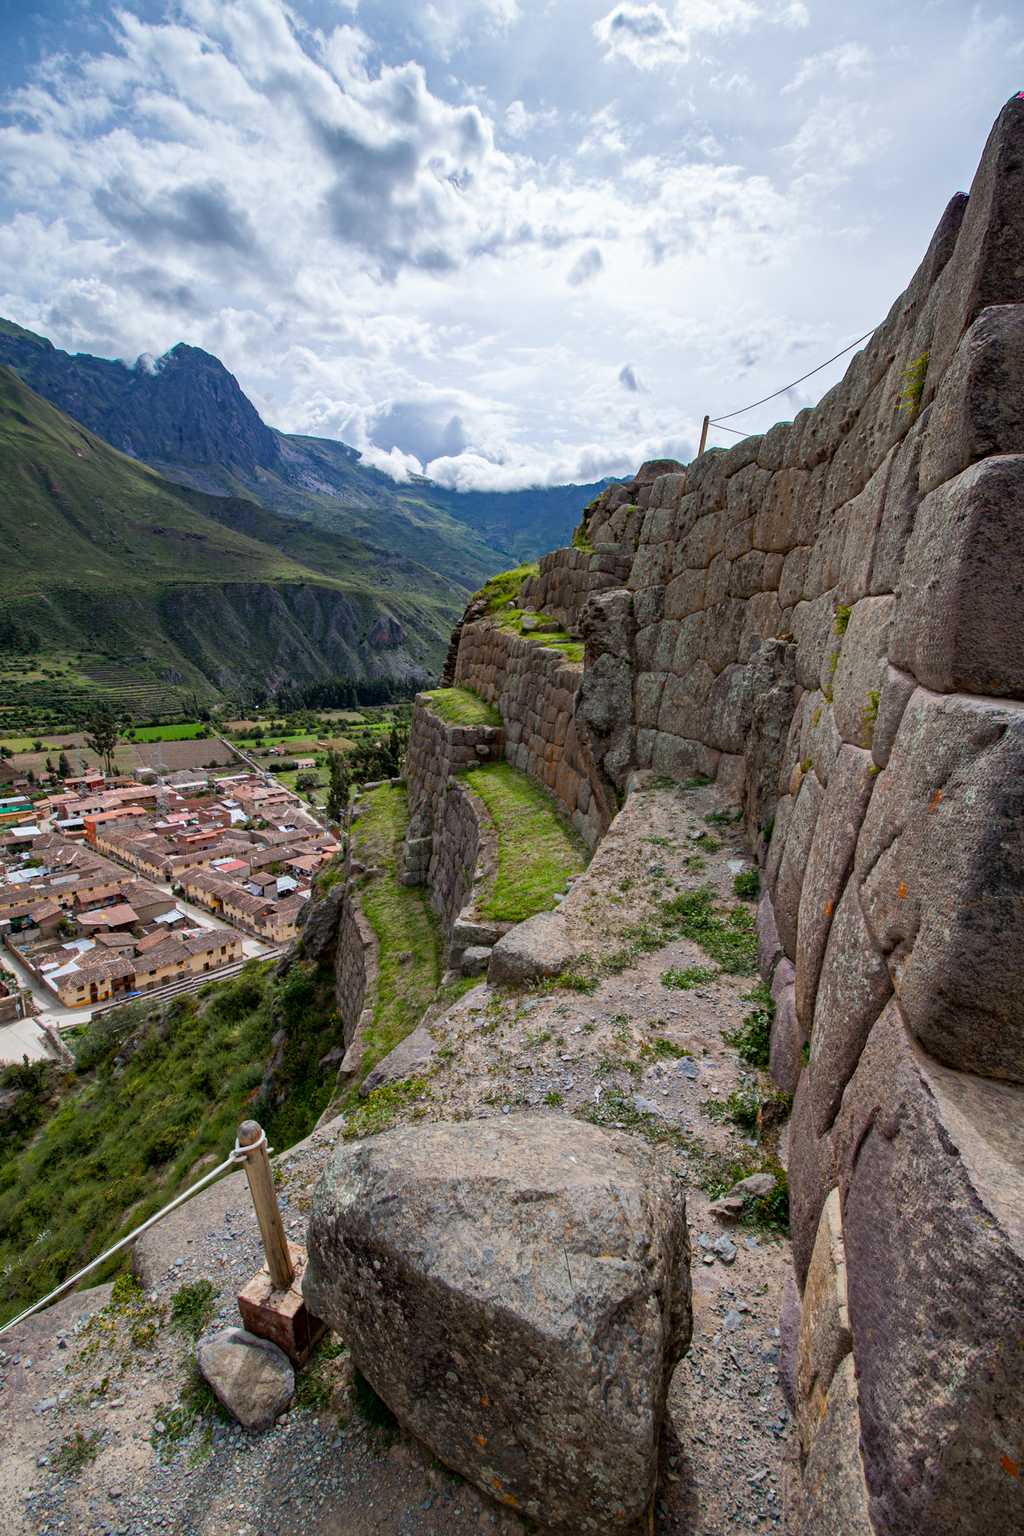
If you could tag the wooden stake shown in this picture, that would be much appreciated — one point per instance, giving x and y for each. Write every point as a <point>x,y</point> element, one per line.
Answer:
<point>703,435</point>
<point>261,1187</point>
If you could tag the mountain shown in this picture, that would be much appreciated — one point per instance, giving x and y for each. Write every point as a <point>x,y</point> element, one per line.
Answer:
<point>111,570</point>
<point>186,416</point>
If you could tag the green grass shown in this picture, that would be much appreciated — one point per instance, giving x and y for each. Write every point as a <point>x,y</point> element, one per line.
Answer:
<point>752,1040</point>
<point>188,730</point>
<point>192,1307</point>
<point>728,937</point>
<point>537,851</point>
<point>381,1108</point>
<point>401,918</point>
<point>461,706</point>
<point>504,588</point>
<point>685,980</point>
<point>156,1088</point>
<point>747,885</point>
<point>77,1450</point>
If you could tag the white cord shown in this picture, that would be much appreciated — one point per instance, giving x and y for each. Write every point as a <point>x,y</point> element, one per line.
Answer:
<point>237,1155</point>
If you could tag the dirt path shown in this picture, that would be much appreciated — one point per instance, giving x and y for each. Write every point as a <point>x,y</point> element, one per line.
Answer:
<point>633,1052</point>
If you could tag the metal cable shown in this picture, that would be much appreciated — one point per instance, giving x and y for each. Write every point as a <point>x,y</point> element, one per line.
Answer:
<point>716,421</point>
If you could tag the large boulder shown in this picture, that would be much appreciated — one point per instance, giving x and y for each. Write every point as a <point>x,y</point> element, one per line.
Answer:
<point>249,1376</point>
<point>518,1293</point>
<point>531,950</point>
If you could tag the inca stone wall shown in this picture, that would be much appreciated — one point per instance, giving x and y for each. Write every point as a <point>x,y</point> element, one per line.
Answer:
<point>355,965</point>
<point>828,618</point>
<point>568,577</point>
<point>535,689</point>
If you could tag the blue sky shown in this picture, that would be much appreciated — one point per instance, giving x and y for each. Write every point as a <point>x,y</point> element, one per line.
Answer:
<point>511,241</point>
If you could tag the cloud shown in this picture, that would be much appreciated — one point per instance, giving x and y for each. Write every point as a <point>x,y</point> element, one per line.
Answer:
<point>649,36</point>
<point>848,61</point>
<point>201,214</point>
<point>420,430</point>
<point>628,379</point>
<point>585,268</point>
<point>519,122</point>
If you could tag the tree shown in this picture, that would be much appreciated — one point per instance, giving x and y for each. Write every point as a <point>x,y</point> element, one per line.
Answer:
<point>63,766</point>
<point>306,782</point>
<point>103,732</point>
<point>338,786</point>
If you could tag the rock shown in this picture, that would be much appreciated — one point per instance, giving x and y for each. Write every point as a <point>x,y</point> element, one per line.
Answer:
<point>961,585</point>
<point>725,1249</point>
<point>319,935</point>
<point>940,857</point>
<point>539,947</point>
<point>513,1316</point>
<point>824,1322</point>
<point>753,1187</point>
<point>931,1167</point>
<point>729,1208</point>
<point>250,1377</point>
<point>835,1501</point>
<point>475,960</point>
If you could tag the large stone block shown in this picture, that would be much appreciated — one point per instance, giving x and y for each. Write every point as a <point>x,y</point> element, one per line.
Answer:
<point>799,833</point>
<point>854,988</point>
<point>824,1323</point>
<point>932,1169</point>
<point>828,865</point>
<point>513,1315</point>
<point>864,645</point>
<point>957,625</point>
<point>941,864</point>
<point>531,950</point>
<point>812,1175</point>
<point>835,1497</point>
<point>985,265</point>
<point>977,410</point>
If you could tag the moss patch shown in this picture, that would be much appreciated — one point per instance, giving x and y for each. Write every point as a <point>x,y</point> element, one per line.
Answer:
<point>461,706</point>
<point>505,587</point>
<point>537,851</point>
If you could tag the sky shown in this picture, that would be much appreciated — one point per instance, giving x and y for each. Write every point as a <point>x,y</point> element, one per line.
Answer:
<point>507,242</point>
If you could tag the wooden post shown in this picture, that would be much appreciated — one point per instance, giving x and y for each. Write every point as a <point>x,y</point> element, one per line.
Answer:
<point>261,1187</point>
<point>703,435</point>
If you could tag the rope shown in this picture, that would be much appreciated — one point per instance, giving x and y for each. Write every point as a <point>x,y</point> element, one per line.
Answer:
<point>235,1156</point>
<point>728,416</point>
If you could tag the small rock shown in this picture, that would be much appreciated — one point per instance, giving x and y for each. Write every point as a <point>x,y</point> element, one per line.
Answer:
<point>725,1248</point>
<point>732,1321</point>
<point>250,1377</point>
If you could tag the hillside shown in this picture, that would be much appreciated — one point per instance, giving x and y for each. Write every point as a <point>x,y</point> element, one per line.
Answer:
<point>102,555</point>
<point>186,416</point>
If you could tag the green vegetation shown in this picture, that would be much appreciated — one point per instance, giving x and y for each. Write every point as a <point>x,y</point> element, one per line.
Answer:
<point>157,1087</point>
<point>747,885</point>
<point>502,591</point>
<point>381,1108</point>
<point>726,818</point>
<point>766,1213</point>
<point>537,851</point>
<point>402,919</point>
<point>581,539</point>
<point>196,1407</point>
<point>616,1109</point>
<point>76,1452</point>
<point>461,706</point>
<point>753,1038</point>
<point>914,376</point>
<point>685,980</point>
<point>842,619</point>
<point>192,1307</point>
<point>102,553</point>
<point>316,1385</point>
<point>729,937</point>
<point>869,717</point>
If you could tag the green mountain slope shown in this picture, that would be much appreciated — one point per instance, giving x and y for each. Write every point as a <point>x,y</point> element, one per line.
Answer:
<point>186,416</point>
<point>101,554</point>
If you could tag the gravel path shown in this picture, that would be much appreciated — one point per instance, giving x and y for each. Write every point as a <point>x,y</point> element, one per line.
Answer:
<point>326,1471</point>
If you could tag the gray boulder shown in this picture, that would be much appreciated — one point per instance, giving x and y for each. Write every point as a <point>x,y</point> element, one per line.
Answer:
<point>539,947</point>
<point>249,1376</point>
<point>518,1292</point>
<point>319,932</point>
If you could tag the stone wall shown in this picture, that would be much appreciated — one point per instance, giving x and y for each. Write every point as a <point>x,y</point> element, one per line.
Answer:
<point>355,964</point>
<point>829,618</point>
<point>568,577</point>
<point>535,689</point>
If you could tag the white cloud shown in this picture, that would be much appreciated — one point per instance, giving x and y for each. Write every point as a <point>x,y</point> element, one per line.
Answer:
<point>519,122</point>
<point>847,61</point>
<point>650,36</point>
